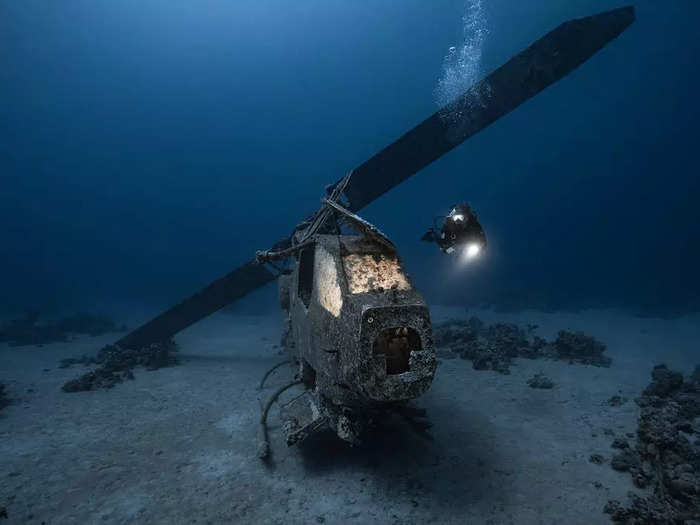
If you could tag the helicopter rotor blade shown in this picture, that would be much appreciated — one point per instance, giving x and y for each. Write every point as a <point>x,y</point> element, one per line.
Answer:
<point>542,64</point>
<point>222,292</point>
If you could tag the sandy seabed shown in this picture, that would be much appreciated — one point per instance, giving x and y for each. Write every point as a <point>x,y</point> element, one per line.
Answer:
<point>178,445</point>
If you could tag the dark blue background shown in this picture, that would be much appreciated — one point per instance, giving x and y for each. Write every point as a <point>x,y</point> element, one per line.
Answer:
<point>150,146</point>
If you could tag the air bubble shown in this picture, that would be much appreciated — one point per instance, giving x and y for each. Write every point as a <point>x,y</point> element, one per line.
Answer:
<point>462,65</point>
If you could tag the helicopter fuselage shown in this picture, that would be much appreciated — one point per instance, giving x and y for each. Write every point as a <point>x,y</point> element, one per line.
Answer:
<point>359,331</point>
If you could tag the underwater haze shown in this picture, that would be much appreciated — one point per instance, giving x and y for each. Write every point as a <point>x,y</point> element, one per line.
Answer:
<point>149,147</point>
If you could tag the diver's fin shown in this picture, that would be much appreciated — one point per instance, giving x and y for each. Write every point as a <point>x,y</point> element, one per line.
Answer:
<point>428,236</point>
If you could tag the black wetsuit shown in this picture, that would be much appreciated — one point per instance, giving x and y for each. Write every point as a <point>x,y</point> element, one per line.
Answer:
<point>458,232</point>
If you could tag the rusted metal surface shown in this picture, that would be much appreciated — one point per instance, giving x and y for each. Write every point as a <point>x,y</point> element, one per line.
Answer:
<point>353,367</point>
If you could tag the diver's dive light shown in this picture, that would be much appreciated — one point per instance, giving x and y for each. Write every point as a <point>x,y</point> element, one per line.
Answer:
<point>461,234</point>
<point>472,250</point>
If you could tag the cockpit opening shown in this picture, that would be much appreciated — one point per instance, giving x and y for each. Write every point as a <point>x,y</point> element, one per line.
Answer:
<point>395,345</point>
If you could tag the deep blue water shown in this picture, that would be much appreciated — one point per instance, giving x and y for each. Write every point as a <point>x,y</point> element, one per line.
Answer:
<point>150,146</point>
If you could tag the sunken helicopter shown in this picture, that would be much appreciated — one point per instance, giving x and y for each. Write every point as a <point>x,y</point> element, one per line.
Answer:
<point>354,325</point>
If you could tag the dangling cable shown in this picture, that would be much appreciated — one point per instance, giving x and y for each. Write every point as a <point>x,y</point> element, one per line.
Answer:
<point>267,374</point>
<point>264,444</point>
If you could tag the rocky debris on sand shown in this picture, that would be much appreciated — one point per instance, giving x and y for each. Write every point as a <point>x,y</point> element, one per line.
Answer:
<point>82,360</point>
<point>666,456</point>
<point>597,459</point>
<point>577,347</point>
<point>616,401</point>
<point>4,400</point>
<point>620,443</point>
<point>642,511</point>
<point>664,382</point>
<point>28,330</point>
<point>624,461</point>
<point>695,376</point>
<point>116,365</point>
<point>493,347</point>
<point>540,381</point>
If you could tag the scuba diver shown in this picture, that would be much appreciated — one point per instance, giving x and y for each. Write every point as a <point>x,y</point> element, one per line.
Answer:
<point>460,235</point>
